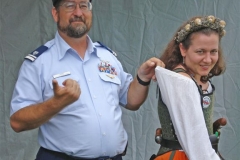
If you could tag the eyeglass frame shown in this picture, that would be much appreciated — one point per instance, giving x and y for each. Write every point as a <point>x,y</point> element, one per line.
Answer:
<point>89,6</point>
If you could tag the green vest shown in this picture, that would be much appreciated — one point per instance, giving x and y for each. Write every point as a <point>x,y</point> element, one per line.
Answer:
<point>168,131</point>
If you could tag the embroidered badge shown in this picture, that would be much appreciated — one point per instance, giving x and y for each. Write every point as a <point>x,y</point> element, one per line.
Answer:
<point>206,101</point>
<point>105,66</point>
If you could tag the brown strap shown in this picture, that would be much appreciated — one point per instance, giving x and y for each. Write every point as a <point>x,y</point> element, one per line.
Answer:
<point>172,155</point>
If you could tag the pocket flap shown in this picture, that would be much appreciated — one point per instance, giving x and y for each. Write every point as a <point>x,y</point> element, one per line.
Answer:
<point>109,77</point>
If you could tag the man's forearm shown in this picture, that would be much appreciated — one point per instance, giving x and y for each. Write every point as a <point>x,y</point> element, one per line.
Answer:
<point>137,94</point>
<point>33,116</point>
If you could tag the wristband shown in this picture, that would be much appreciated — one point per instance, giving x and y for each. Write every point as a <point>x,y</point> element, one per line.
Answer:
<point>142,82</point>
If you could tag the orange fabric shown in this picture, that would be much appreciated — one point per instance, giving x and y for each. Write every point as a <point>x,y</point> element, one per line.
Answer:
<point>179,155</point>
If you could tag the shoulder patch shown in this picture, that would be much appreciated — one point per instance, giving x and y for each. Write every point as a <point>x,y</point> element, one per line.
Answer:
<point>102,45</point>
<point>36,53</point>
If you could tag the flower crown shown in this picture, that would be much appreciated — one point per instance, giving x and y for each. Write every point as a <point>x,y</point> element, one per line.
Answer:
<point>199,23</point>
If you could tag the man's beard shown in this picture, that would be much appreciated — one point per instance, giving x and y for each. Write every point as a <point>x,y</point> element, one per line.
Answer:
<point>74,32</point>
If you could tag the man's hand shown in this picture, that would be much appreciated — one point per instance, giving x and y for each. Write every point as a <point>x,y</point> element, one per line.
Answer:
<point>146,72</point>
<point>138,89</point>
<point>33,116</point>
<point>67,94</point>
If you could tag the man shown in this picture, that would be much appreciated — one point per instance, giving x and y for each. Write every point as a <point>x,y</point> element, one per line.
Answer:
<point>71,89</point>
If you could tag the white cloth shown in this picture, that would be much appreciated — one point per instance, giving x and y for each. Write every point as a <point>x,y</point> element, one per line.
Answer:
<point>182,98</point>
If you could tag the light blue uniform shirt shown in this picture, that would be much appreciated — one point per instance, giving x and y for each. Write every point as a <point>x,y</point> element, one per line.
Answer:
<point>91,126</point>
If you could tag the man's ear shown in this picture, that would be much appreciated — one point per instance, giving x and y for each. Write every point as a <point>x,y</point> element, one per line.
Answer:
<point>182,50</point>
<point>55,14</point>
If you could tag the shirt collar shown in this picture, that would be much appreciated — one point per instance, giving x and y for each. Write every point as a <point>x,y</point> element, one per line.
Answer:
<point>63,47</point>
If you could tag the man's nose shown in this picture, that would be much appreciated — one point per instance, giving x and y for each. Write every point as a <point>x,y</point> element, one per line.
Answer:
<point>78,11</point>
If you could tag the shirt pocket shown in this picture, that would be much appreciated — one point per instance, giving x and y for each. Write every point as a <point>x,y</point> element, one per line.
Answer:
<point>111,87</point>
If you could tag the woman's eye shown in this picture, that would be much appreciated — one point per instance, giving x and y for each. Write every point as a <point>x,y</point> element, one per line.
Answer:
<point>199,52</point>
<point>214,52</point>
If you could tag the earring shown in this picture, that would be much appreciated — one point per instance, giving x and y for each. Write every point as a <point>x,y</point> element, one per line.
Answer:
<point>183,61</point>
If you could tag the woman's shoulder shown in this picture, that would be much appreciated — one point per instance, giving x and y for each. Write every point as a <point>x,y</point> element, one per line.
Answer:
<point>181,70</point>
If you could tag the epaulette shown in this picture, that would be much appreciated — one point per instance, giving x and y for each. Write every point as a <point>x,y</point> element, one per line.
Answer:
<point>102,45</point>
<point>36,53</point>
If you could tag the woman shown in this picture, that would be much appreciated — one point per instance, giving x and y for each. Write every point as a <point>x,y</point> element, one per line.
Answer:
<point>194,52</point>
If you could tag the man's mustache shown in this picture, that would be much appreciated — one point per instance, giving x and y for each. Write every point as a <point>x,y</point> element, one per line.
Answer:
<point>76,19</point>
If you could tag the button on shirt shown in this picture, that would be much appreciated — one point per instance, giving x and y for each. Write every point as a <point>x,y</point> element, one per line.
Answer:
<point>91,126</point>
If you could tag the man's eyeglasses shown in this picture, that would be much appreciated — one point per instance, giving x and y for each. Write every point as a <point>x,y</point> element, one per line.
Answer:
<point>71,6</point>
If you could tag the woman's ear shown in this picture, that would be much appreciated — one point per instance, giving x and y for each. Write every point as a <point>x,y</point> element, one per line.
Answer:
<point>182,50</point>
<point>55,14</point>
